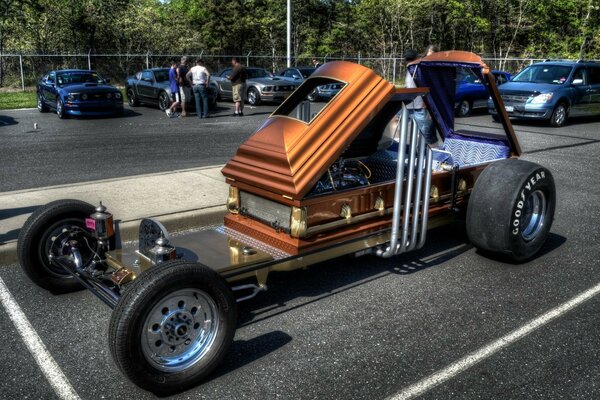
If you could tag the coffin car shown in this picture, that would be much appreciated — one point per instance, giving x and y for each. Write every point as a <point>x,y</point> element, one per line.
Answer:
<point>308,186</point>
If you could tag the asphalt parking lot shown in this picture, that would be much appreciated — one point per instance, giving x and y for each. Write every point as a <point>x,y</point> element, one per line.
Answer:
<point>361,328</point>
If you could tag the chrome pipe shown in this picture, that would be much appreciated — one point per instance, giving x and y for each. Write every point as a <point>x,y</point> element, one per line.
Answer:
<point>391,249</point>
<point>416,208</point>
<point>426,195</point>
<point>410,178</point>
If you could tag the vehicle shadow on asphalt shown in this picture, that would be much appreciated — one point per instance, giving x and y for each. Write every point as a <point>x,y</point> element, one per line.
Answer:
<point>127,113</point>
<point>10,213</point>
<point>332,277</point>
<point>336,276</point>
<point>5,120</point>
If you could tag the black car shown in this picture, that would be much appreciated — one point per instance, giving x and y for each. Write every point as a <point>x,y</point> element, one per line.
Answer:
<point>151,86</point>
<point>78,92</point>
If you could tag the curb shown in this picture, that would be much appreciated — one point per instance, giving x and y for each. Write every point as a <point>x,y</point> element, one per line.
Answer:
<point>128,229</point>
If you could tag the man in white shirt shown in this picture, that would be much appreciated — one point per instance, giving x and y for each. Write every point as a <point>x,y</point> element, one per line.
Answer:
<point>199,77</point>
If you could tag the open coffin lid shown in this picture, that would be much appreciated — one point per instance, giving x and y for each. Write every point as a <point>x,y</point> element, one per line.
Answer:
<point>438,72</point>
<point>287,156</point>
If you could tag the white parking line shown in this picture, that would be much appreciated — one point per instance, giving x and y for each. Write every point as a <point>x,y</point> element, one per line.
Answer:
<point>42,357</point>
<point>468,361</point>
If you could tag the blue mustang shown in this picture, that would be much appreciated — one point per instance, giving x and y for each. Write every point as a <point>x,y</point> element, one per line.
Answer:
<point>78,92</point>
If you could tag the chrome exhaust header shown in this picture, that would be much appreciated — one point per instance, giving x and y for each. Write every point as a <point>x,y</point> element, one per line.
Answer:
<point>410,207</point>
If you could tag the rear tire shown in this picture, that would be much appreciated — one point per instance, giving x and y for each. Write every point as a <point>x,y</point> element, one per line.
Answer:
<point>131,98</point>
<point>559,115</point>
<point>511,209</point>
<point>163,101</point>
<point>41,106</point>
<point>34,237</point>
<point>159,338</point>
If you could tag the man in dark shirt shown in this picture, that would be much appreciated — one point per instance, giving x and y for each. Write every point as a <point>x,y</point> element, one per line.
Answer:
<point>238,86</point>
<point>185,91</point>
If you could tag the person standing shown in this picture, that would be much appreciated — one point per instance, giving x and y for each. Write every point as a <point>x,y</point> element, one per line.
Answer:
<point>238,86</point>
<point>174,86</point>
<point>432,48</point>
<point>316,63</point>
<point>199,78</point>
<point>184,88</point>
<point>417,108</point>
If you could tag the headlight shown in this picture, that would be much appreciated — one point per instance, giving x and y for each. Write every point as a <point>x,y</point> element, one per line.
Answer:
<point>71,96</point>
<point>108,95</point>
<point>268,89</point>
<point>541,98</point>
<point>84,96</point>
<point>118,95</point>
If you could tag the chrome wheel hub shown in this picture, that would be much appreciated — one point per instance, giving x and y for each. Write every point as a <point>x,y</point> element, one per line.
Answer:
<point>535,211</point>
<point>180,329</point>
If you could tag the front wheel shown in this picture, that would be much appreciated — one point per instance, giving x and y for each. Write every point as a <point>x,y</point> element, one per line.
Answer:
<point>464,108</point>
<point>313,96</point>
<point>173,326</point>
<point>559,115</point>
<point>511,209</point>
<point>53,229</point>
<point>253,97</point>
<point>60,109</point>
<point>163,101</point>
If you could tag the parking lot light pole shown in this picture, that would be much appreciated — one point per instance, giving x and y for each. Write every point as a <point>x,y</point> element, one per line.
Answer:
<point>22,76</point>
<point>289,33</point>
<point>89,59</point>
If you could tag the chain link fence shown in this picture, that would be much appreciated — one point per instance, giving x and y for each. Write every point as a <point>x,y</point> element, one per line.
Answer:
<point>19,71</point>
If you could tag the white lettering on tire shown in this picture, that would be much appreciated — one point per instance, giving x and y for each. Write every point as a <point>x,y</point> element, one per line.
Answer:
<point>527,188</point>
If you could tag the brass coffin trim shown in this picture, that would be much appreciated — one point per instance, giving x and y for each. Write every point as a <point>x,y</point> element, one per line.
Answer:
<point>298,224</point>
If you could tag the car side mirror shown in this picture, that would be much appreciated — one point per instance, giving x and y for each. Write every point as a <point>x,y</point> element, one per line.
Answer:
<point>107,80</point>
<point>577,82</point>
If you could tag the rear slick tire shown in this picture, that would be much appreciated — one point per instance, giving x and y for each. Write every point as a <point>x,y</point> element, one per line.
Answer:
<point>511,209</point>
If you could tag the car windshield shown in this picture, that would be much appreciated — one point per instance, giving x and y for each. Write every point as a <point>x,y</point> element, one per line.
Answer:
<point>254,73</point>
<point>555,74</point>
<point>306,72</point>
<point>69,78</point>
<point>161,75</point>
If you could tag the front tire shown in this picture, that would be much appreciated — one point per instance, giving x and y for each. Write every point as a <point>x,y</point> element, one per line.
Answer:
<point>559,115</point>
<point>60,109</point>
<point>35,239</point>
<point>173,326</point>
<point>511,209</point>
<point>313,96</point>
<point>464,108</point>
<point>163,101</point>
<point>253,97</point>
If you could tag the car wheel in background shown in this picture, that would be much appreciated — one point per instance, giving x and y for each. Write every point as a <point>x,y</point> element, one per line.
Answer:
<point>464,108</point>
<point>60,109</point>
<point>559,115</point>
<point>163,101</point>
<point>253,97</point>
<point>131,98</point>
<point>313,96</point>
<point>41,106</point>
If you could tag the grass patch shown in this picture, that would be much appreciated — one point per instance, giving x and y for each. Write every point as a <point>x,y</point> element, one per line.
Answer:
<point>12,100</point>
